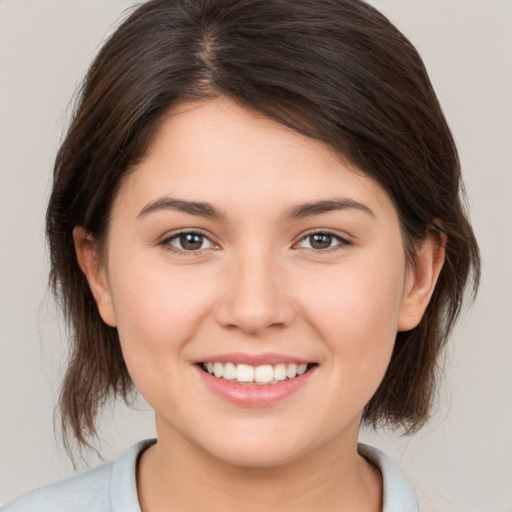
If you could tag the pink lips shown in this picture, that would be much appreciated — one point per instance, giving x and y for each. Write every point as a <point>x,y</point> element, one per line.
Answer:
<point>254,395</point>
<point>253,359</point>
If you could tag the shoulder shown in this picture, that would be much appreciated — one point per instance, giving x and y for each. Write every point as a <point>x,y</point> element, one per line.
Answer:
<point>88,491</point>
<point>398,492</point>
<point>107,488</point>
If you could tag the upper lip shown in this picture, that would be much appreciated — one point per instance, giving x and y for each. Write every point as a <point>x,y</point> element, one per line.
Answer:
<point>254,359</point>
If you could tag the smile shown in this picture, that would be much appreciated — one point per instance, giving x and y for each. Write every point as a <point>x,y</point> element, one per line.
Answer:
<point>247,374</point>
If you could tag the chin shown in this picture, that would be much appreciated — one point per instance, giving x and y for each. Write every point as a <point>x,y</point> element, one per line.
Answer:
<point>256,449</point>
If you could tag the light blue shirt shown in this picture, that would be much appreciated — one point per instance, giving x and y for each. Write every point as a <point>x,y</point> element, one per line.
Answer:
<point>112,487</point>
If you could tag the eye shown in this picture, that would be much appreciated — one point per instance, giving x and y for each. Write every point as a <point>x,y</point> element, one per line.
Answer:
<point>188,241</point>
<point>321,241</point>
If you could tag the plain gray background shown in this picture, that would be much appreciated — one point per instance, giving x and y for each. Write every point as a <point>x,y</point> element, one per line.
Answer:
<point>462,461</point>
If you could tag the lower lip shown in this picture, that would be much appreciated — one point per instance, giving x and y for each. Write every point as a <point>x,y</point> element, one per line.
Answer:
<point>255,395</point>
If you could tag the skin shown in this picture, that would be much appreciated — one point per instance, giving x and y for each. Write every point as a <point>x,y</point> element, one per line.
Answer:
<point>256,285</point>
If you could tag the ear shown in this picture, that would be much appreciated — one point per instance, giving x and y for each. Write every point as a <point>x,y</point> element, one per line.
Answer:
<point>95,272</point>
<point>421,280</point>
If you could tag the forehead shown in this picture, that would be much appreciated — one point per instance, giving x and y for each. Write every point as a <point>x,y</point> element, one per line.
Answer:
<point>221,152</point>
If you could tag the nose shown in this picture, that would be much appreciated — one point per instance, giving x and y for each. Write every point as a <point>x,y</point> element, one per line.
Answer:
<point>255,295</point>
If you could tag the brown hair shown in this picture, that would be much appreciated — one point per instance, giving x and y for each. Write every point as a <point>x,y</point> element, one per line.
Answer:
<point>334,70</point>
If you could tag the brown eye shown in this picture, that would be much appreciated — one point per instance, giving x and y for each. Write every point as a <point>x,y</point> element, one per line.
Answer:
<point>322,241</point>
<point>191,241</point>
<point>188,241</point>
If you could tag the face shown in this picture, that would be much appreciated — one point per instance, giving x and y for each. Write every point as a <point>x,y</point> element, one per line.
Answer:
<point>257,284</point>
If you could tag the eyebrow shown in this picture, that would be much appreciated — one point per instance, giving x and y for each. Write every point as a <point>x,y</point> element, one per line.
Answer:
<point>192,207</point>
<point>299,211</point>
<point>316,208</point>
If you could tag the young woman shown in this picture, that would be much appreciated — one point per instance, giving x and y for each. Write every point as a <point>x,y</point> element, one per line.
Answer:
<point>255,221</point>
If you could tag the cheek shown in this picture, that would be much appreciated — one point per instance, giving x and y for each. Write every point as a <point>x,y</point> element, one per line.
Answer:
<point>158,312</point>
<point>355,312</point>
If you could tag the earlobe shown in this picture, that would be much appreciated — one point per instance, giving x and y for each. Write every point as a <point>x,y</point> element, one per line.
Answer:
<point>95,272</point>
<point>421,280</point>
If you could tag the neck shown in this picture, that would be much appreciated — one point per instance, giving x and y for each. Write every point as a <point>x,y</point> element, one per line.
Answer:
<point>176,475</point>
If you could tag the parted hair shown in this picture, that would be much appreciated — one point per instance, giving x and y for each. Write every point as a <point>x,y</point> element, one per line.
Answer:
<point>335,70</point>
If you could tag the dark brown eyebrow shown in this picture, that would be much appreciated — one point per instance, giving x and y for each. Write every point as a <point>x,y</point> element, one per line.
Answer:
<point>305,210</point>
<point>192,207</point>
<point>204,209</point>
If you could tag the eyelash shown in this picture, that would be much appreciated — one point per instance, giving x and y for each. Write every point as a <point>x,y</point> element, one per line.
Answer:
<point>341,242</point>
<point>166,242</point>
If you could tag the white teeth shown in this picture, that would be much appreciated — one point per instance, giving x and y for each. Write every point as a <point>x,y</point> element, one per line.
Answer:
<point>229,371</point>
<point>264,374</point>
<point>218,370</point>
<point>291,371</point>
<point>244,373</point>
<point>280,372</point>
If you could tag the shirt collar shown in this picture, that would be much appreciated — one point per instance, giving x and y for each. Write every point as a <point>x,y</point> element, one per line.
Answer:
<point>398,493</point>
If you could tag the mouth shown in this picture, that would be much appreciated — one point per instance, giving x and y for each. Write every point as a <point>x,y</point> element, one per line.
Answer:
<point>266,374</point>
